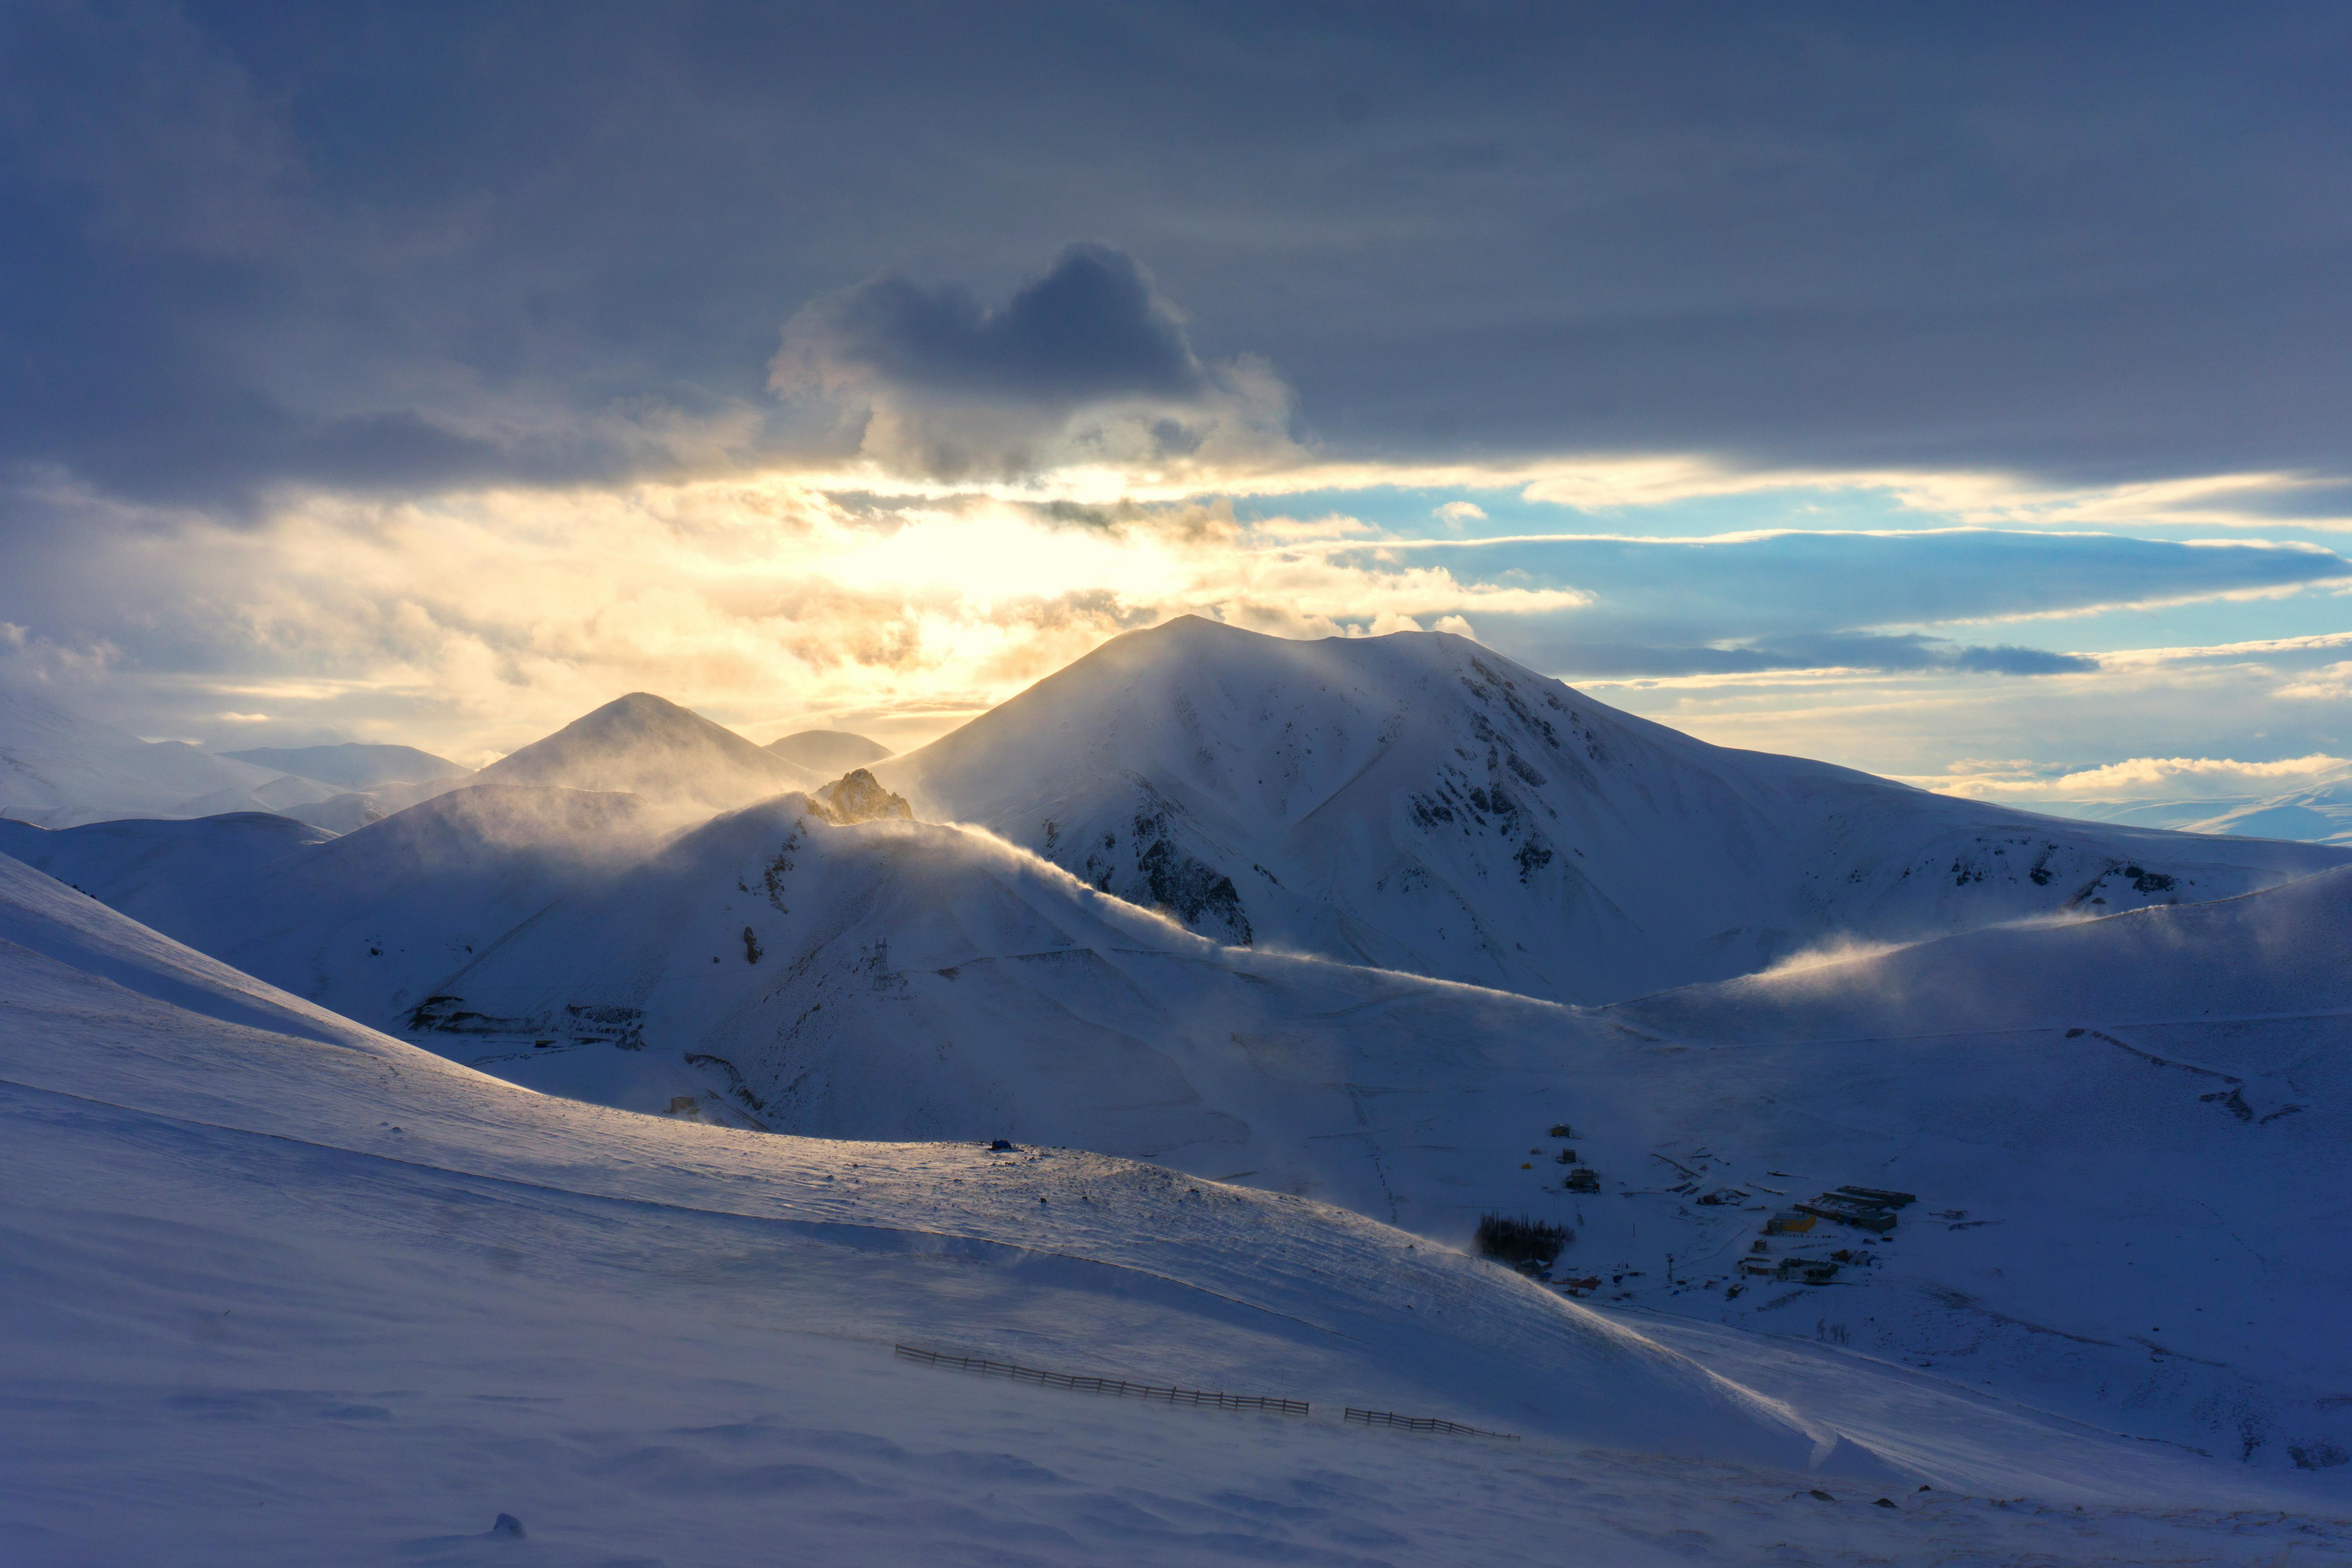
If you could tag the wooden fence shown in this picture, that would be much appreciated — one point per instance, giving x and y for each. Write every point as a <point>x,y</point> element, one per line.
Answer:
<point>1106,1384</point>
<point>1424,1424</point>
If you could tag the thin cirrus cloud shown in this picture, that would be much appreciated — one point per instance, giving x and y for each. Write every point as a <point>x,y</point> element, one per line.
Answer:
<point>1750,604</point>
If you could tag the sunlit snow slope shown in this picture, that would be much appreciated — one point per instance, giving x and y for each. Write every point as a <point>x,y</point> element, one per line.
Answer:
<point>1416,801</point>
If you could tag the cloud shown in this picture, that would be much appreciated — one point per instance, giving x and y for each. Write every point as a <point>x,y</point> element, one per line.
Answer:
<point>553,239</point>
<point>160,134</point>
<point>2199,777</point>
<point>1574,660</point>
<point>471,623</point>
<point>1740,605</point>
<point>1085,365</point>
<point>2211,706</point>
<point>2138,779</point>
<point>2007,658</point>
<point>1457,514</point>
<point>2328,683</point>
<point>1091,329</point>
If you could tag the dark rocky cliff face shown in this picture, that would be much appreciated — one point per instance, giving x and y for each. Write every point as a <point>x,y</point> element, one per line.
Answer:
<point>1151,867</point>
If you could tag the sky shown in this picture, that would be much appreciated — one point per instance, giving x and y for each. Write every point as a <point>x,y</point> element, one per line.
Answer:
<point>1959,392</point>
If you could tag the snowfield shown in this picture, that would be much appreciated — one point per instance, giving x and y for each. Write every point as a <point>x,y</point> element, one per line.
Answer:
<point>285,1289</point>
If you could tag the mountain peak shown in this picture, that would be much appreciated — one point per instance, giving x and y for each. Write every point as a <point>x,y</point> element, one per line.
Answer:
<point>647,746</point>
<point>1419,801</point>
<point>857,797</point>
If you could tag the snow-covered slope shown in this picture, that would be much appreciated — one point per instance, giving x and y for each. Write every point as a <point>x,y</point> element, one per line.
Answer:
<point>2128,1136</point>
<point>897,979</point>
<point>367,923</point>
<point>291,1291</point>
<point>185,877</point>
<point>665,754</point>
<point>2279,955</point>
<point>59,769</point>
<point>1418,803</point>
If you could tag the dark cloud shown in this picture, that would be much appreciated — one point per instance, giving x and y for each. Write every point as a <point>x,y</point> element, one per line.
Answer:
<point>2007,658</point>
<point>408,245</point>
<point>1091,329</point>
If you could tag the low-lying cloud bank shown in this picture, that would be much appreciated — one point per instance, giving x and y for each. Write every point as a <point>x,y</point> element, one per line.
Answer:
<point>2147,778</point>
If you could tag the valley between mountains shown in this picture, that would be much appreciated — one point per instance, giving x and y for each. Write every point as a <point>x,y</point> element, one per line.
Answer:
<point>1276,966</point>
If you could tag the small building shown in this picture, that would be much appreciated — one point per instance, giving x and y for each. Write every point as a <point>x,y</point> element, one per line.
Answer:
<point>1791,1222</point>
<point>1879,1197</point>
<point>1851,1211</point>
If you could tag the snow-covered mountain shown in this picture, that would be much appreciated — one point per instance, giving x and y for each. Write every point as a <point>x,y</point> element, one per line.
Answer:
<point>59,769</point>
<point>822,965</point>
<point>2323,813</point>
<point>2319,812</point>
<point>829,752</point>
<point>671,757</point>
<point>1417,803</point>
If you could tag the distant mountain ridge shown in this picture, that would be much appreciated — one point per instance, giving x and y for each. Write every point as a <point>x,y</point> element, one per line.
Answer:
<point>833,752</point>
<point>352,764</point>
<point>59,769</point>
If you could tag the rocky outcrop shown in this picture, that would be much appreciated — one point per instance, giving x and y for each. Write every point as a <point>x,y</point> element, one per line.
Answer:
<point>857,797</point>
